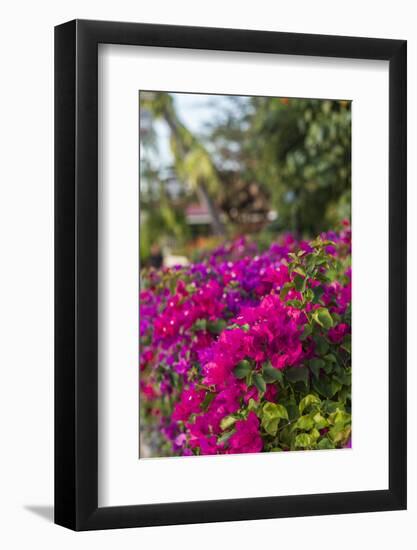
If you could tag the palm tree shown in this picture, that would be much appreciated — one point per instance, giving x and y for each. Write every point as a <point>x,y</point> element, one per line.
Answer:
<point>192,161</point>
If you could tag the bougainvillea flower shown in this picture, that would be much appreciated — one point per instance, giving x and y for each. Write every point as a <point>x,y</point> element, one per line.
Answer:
<point>247,438</point>
<point>219,339</point>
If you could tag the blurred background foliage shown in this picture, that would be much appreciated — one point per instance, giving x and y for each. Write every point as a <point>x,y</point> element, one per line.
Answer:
<point>258,166</point>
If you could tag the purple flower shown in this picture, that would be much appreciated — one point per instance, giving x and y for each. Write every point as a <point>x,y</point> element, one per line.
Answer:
<point>247,438</point>
<point>207,329</point>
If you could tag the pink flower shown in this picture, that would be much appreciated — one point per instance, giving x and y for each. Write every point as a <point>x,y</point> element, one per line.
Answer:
<point>271,392</point>
<point>337,333</point>
<point>280,361</point>
<point>215,374</point>
<point>189,403</point>
<point>148,391</point>
<point>247,438</point>
<point>200,436</point>
<point>251,393</point>
<point>208,445</point>
<point>276,276</point>
<point>199,322</point>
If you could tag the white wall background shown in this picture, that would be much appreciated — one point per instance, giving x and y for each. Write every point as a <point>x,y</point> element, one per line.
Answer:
<point>26,273</point>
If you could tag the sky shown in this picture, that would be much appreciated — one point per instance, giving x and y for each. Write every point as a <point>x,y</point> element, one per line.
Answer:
<point>194,111</point>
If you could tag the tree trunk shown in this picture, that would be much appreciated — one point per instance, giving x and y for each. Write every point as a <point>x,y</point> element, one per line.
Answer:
<point>202,192</point>
<point>216,223</point>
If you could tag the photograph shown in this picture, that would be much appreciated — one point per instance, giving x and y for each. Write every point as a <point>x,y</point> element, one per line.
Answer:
<point>245,274</point>
<point>207,218</point>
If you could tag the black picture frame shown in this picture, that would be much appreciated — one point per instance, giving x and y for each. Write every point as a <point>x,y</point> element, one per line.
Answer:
<point>76,272</point>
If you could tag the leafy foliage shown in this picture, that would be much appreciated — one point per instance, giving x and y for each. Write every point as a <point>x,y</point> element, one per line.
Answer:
<point>260,159</point>
<point>300,149</point>
<point>249,352</point>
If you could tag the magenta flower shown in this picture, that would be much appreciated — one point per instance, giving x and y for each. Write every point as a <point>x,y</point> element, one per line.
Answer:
<point>209,330</point>
<point>247,438</point>
<point>189,403</point>
<point>337,333</point>
<point>215,374</point>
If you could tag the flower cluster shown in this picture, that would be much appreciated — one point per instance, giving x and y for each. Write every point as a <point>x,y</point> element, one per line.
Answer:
<point>248,352</point>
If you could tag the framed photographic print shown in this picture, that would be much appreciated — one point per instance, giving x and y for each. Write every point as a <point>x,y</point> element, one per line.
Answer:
<point>230,251</point>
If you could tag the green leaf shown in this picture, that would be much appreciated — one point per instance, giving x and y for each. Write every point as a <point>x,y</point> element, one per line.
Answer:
<point>308,329</point>
<point>308,401</point>
<point>298,304</point>
<point>336,318</point>
<point>293,412</point>
<point>343,376</point>
<point>322,345</point>
<point>227,422</point>
<point>285,289</point>
<point>330,407</point>
<point>323,317</point>
<point>347,343</point>
<point>325,443</point>
<point>326,387</point>
<point>200,324</point>
<point>271,374</point>
<point>299,282</point>
<point>345,394</point>
<point>244,327</point>
<point>328,367</point>
<point>207,400</point>
<point>297,374</point>
<point>314,434</point>
<point>271,426</point>
<point>215,327</point>
<point>319,421</point>
<point>315,365</point>
<point>269,410</point>
<point>305,422</point>
<point>242,369</point>
<point>252,405</point>
<point>259,382</point>
<point>300,270</point>
<point>274,410</point>
<point>340,417</point>
<point>303,440</point>
<point>270,418</point>
<point>338,434</point>
<point>309,295</point>
<point>225,437</point>
<point>282,411</point>
<point>318,292</point>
